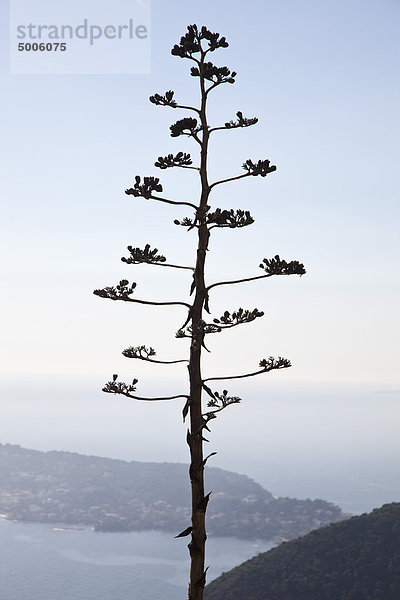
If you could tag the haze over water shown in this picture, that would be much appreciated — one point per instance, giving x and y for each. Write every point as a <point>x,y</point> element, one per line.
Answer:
<point>340,443</point>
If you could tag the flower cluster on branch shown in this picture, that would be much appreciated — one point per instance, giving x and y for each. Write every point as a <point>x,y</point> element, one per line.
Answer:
<point>182,159</point>
<point>271,363</point>
<point>229,218</point>
<point>150,257</point>
<point>144,353</point>
<point>277,266</point>
<point>222,400</point>
<point>218,402</point>
<point>214,74</point>
<point>266,364</point>
<point>186,222</point>
<point>182,333</point>
<point>119,387</point>
<point>205,328</point>
<point>140,352</point>
<point>261,167</point>
<point>190,43</point>
<point>122,291</point>
<point>145,189</point>
<point>241,121</point>
<point>143,256</point>
<point>237,318</point>
<point>166,100</point>
<point>185,126</point>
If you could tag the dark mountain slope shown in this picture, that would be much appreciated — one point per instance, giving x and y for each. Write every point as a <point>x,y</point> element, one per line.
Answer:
<point>357,559</point>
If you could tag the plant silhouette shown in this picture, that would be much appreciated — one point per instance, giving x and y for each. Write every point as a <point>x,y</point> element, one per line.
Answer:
<point>195,46</point>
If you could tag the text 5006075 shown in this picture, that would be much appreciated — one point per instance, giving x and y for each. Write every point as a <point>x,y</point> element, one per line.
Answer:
<point>42,47</point>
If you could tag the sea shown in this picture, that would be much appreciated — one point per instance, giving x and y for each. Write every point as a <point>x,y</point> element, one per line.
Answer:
<point>49,562</point>
<point>337,444</point>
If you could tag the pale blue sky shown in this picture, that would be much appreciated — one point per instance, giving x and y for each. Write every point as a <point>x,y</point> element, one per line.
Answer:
<point>323,79</point>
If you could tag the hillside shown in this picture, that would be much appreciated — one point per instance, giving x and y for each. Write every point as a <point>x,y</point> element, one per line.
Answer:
<point>357,559</point>
<point>114,495</point>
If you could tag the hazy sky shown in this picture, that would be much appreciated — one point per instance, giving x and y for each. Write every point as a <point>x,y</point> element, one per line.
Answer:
<point>323,79</point>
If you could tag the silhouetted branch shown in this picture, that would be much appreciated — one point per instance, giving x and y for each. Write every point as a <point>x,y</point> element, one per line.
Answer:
<point>172,202</point>
<point>182,159</point>
<point>271,266</point>
<point>237,318</point>
<point>167,100</point>
<point>118,387</point>
<point>267,365</point>
<point>241,122</point>
<point>150,257</point>
<point>122,292</point>
<point>235,281</point>
<point>229,218</point>
<point>149,185</point>
<point>144,353</point>
<point>261,167</point>
<point>278,266</point>
<point>235,376</point>
<point>219,402</point>
<point>217,83</point>
<point>229,179</point>
<point>188,108</point>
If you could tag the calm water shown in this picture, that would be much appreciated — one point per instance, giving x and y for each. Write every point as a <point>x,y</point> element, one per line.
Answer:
<point>338,444</point>
<point>39,562</point>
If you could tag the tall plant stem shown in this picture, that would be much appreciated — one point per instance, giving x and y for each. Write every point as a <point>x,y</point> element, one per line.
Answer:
<point>195,440</point>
